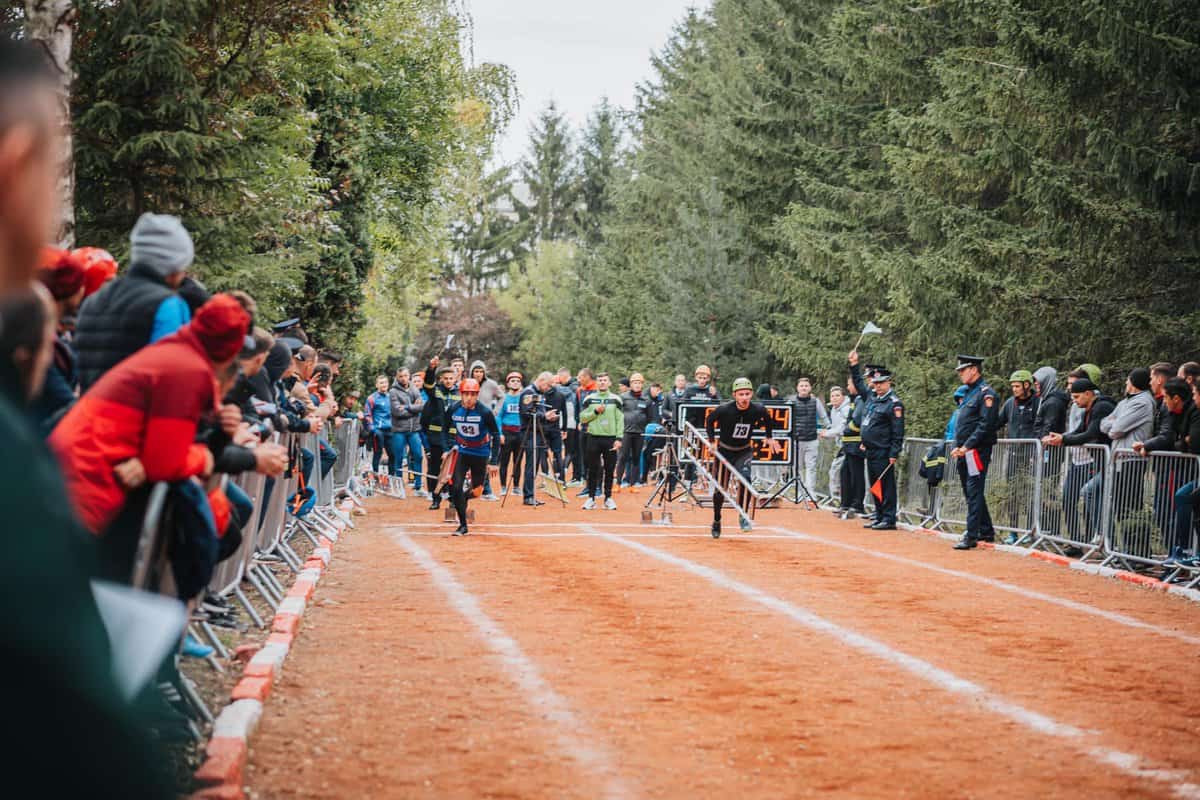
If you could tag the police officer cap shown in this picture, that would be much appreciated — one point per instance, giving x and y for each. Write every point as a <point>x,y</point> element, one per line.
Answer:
<point>1021,376</point>
<point>969,361</point>
<point>877,373</point>
<point>291,342</point>
<point>279,327</point>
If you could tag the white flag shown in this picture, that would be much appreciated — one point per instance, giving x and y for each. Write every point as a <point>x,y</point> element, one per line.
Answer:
<point>871,327</point>
<point>449,339</point>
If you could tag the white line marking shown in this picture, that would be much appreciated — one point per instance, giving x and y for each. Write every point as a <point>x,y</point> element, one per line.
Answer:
<point>573,736</point>
<point>1125,762</point>
<point>1032,594</point>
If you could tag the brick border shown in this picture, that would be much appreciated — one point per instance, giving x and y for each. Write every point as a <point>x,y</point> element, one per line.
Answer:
<point>1145,581</point>
<point>222,774</point>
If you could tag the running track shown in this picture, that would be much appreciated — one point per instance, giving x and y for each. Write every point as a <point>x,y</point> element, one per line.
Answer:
<point>561,653</point>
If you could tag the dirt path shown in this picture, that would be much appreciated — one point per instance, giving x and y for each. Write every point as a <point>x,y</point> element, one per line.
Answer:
<point>556,660</point>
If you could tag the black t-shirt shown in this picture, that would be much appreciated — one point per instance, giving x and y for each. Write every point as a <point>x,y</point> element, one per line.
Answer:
<point>737,426</point>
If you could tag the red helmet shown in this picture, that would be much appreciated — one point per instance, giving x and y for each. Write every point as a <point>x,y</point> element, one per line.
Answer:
<point>469,385</point>
<point>99,268</point>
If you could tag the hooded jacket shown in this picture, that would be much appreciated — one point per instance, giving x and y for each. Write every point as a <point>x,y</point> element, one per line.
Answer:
<point>1180,432</point>
<point>1131,421</point>
<point>490,392</point>
<point>1053,403</point>
<point>147,407</point>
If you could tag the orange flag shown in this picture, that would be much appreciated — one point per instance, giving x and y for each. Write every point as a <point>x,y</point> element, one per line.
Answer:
<point>877,489</point>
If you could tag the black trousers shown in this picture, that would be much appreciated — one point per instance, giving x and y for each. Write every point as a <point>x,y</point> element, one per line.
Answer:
<point>433,465</point>
<point>600,449</point>
<point>979,519</point>
<point>630,465</point>
<point>854,483</point>
<point>742,461</point>
<point>554,444</point>
<point>877,462</point>
<point>511,453</point>
<point>476,467</point>
<point>581,452</point>
<point>571,454</point>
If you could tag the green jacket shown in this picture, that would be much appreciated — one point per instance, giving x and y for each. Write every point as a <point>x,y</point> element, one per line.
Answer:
<point>611,422</point>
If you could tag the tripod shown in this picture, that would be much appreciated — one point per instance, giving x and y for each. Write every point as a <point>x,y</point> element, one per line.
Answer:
<point>532,453</point>
<point>794,482</point>
<point>670,485</point>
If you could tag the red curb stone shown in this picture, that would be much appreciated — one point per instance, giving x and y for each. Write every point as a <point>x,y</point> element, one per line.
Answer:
<point>1144,580</point>
<point>285,623</point>
<point>253,689</point>
<point>1053,558</point>
<point>258,670</point>
<point>245,652</point>
<point>315,563</point>
<point>281,638</point>
<point>226,759</point>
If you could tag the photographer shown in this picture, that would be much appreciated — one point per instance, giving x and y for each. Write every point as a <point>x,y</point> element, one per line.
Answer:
<point>537,416</point>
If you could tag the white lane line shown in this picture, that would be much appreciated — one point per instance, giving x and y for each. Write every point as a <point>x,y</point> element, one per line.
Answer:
<point>1032,594</point>
<point>574,738</point>
<point>643,525</point>
<point>1128,763</point>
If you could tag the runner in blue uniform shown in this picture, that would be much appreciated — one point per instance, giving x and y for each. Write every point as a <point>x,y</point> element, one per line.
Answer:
<point>475,432</point>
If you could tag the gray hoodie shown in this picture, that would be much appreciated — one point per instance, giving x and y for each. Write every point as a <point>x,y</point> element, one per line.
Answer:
<point>406,408</point>
<point>1131,421</point>
<point>489,391</point>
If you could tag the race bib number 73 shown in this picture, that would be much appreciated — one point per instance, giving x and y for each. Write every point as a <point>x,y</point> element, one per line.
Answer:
<point>741,430</point>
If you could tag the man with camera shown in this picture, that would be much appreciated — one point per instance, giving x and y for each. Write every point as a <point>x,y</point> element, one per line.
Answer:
<point>537,417</point>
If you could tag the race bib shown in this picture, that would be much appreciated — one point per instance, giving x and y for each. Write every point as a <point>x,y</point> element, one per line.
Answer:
<point>469,430</point>
<point>741,430</point>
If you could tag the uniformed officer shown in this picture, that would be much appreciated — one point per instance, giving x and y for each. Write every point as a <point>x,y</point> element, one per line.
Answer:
<point>974,435</point>
<point>882,437</point>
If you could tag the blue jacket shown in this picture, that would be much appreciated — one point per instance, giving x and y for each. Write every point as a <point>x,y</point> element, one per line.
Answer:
<point>381,411</point>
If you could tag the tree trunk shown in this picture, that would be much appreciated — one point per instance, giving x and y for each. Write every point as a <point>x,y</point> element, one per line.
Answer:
<point>49,23</point>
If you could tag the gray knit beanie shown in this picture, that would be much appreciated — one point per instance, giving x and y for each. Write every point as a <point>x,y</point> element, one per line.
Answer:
<point>161,243</point>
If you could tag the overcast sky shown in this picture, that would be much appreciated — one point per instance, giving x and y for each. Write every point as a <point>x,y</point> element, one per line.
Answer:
<point>571,51</point>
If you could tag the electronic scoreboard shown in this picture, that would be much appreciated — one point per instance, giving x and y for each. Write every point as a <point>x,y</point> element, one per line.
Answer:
<point>697,415</point>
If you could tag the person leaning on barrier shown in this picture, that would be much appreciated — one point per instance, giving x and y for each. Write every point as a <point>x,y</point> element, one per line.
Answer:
<point>882,438</point>
<point>1132,420</point>
<point>1083,477</point>
<point>974,437</point>
<point>1180,434</point>
<point>1160,373</point>
<point>1053,404</point>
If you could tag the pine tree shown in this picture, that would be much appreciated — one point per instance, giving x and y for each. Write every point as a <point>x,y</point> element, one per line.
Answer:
<point>548,173</point>
<point>599,163</point>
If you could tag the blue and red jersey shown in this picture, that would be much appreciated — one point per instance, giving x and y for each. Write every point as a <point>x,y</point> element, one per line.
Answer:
<point>474,430</point>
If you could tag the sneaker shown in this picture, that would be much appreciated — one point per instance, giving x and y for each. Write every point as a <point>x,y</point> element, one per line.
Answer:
<point>491,498</point>
<point>840,512</point>
<point>194,649</point>
<point>745,524</point>
<point>574,483</point>
<point>589,504</point>
<point>583,493</point>
<point>529,501</point>
<point>716,529</point>
<point>610,504</point>
<point>436,504</point>
<point>461,530</point>
<point>1010,539</point>
<point>504,492</point>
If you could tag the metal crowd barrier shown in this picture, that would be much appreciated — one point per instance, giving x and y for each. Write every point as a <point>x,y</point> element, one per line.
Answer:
<point>1140,524</point>
<point>1012,489</point>
<point>1073,499</point>
<point>919,502</point>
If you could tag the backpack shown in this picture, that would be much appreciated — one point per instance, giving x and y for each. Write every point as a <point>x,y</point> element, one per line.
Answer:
<point>933,464</point>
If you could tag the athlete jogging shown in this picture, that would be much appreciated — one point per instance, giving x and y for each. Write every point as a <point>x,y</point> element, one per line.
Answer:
<point>733,425</point>
<point>475,431</point>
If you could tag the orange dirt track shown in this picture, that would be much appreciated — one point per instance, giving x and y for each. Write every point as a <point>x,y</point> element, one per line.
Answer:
<point>551,654</point>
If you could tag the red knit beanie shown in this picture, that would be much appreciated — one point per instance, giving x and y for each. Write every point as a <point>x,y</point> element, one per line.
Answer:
<point>221,325</point>
<point>61,272</point>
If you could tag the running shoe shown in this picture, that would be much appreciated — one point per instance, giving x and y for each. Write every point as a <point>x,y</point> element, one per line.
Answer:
<point>589,504</point>
<point>716,529</point>
<point>610,504</point>
<point>461,530</point>
<point>745,524</point>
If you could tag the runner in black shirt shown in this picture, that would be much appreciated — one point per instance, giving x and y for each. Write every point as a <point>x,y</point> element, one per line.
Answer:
<point>733,424</point>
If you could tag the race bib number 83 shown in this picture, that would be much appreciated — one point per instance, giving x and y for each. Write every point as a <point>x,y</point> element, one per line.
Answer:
<point>469,430</point>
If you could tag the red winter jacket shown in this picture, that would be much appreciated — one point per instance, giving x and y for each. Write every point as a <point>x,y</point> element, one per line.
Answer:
<point>146,407</point>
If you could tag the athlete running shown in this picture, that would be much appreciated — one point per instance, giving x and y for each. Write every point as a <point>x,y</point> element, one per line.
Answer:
<point>733,425</point>
<point>475,431</point>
